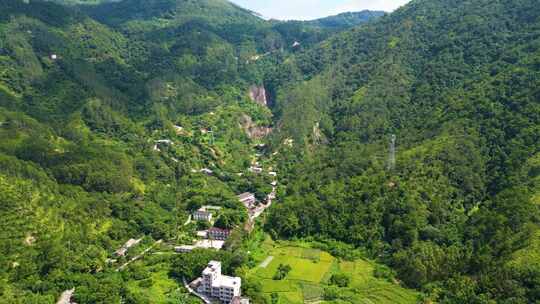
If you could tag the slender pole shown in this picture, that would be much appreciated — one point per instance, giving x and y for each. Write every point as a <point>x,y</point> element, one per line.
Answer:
<point>392,156</point>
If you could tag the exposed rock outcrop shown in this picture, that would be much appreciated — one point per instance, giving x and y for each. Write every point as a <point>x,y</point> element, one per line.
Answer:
<point>258,95</point>
<point>252,130</point>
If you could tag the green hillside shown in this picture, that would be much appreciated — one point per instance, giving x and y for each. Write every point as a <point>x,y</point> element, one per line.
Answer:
<point>345,20</point>
<point>81,114</point>
<point>457,83</point>
<point>406,147</point>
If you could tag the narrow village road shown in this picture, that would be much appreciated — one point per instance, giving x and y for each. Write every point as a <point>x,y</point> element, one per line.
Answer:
<point>139,256</point>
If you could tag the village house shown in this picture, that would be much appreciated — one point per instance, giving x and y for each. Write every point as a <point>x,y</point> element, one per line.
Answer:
<point>206,171</point>
<point>240,300</point>
<point>205,213</point>
<point>247,199</point>
<point>218,286</point>
<point>179,130</point>
<point>130,243</point>
<point>164,141</point>
<point>184,248</point>
<point>204,244</point>
<point>215,233</point>
<point>202,215</point>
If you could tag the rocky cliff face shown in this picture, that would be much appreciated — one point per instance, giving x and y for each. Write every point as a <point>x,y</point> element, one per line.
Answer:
<point>252,130</point>
<point>258,95</point>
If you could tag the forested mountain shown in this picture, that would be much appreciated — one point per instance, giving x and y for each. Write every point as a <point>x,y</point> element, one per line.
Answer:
<point>119,118</point>
<point>109,112</point>
<point>102,141</point>
<point>457,83</point>
<point>346,20</point>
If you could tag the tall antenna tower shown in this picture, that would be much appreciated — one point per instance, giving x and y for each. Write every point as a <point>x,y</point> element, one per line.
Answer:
<point>392,154</point>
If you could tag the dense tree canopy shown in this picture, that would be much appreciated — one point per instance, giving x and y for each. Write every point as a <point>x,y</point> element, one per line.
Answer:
<point>118,119</point>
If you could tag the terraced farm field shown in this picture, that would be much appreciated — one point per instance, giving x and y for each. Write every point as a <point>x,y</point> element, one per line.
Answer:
<point>311,270</point>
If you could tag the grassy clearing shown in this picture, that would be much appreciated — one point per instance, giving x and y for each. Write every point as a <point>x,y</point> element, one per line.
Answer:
<point>311,271</point>
<point>158,287</point>
<point>311,254</point>
<point>303,269</point>
<point>312,292</point>
<point>157,293</point>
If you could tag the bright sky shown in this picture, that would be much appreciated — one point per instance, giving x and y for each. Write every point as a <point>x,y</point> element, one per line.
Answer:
<point>313,9</point>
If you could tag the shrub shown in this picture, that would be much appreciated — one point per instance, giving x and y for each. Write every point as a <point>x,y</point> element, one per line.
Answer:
<point>384,272</point>
<point>282,272</point>
<point>340,279</point>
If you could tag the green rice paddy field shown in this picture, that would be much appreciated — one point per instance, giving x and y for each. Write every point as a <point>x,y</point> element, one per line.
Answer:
<point>311,271</point>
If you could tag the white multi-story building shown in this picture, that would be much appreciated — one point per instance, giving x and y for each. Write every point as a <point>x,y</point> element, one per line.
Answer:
<point>219,286</point>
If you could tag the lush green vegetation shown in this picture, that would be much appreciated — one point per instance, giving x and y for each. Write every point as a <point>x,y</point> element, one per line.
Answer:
<point>315,275</point>
<point>457,83</point>
<point>120,118</point>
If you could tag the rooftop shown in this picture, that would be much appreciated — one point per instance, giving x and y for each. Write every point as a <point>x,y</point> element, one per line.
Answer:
<point>202,233</point>
<point>184,247</point>
<point>245,195</point>
<point>216,229</point>
<point>211,267</point>
<point>229,281</point>
<point>209,244</point>
<point>209,207</point>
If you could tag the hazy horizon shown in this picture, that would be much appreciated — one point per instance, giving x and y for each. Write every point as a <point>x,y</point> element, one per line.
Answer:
<point>313,9</point>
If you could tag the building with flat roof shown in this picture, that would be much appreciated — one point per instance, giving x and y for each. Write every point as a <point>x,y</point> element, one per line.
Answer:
<point>218,233</point>
<point>247,199</point>
<point>202,215</point>
<point>204,244</point>
<point>216,285</point>
<point>240,300</point>
<point>130,243</point>
<point>184,248</point>
<point>202,234</point>
<point>206,171</point>
<point>205,213</point>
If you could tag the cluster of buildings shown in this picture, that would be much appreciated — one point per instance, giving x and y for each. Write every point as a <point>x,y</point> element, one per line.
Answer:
<point>215,285</point>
